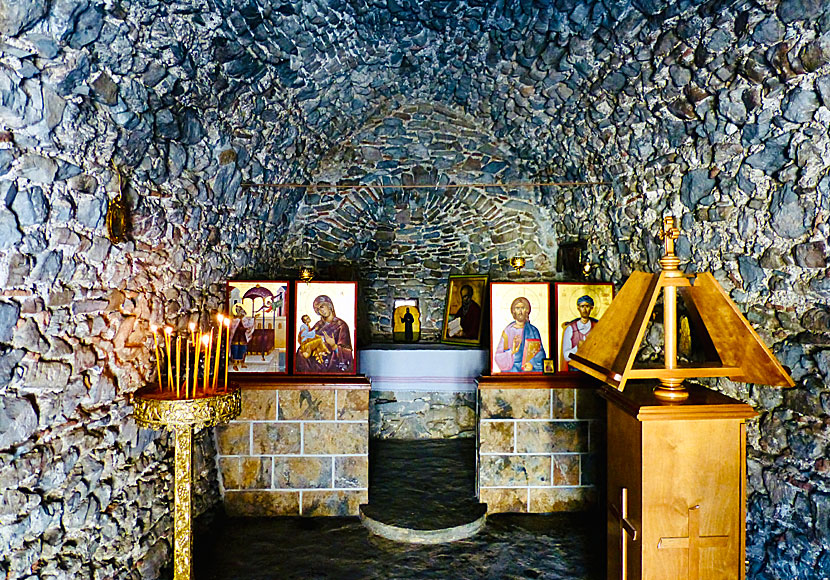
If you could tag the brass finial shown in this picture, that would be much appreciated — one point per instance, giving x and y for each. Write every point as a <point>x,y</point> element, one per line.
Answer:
<point>671,388</point>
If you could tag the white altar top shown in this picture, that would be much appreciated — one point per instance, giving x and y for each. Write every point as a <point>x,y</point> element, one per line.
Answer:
<point>422,367</point>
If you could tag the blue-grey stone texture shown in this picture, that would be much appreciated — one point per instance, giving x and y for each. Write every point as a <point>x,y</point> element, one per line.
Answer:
<point>715,112</point>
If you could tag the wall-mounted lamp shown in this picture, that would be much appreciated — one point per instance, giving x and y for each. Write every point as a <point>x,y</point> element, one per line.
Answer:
<point>586,269</point>
<point>306,273</point>
<point>518,263</point>
<point>117,217</point>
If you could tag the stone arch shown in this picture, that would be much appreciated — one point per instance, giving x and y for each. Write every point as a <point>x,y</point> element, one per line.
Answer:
<point>421,209</point>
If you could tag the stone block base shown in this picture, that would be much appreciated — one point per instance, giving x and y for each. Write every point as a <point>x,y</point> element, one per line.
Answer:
<point>295,503</point>
<point>538,448</point>
<point>296,452</point>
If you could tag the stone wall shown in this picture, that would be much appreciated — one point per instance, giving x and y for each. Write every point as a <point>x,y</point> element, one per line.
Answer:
<point>85,86</point>
<point>715,111</point>
<point>422,414</point>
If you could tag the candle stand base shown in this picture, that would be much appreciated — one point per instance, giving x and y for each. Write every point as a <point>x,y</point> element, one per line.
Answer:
<point>161,410</point>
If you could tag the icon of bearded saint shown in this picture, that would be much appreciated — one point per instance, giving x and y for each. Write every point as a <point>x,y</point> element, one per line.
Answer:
<point>519,348</point>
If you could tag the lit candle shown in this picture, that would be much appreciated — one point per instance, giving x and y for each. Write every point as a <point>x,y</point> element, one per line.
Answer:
<point>196,363</point>
<point>167,332</point>
<point>154,329</point>
<point>227,349</point>
<point>186,368</point>
<point>192,327</point>
<point>216,353</point>
<point>206,342</point>
<point>178,365</point>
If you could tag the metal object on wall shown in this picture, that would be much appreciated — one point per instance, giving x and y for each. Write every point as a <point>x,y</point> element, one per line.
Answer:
<point>117,218</point>
<point>306,273</point>
<point>163,411</point>
<point>517,262</point>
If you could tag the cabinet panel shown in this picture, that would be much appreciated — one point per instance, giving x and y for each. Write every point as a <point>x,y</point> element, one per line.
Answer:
<point>683,468</point>
<point>691,492</point>
<point>624,473</point>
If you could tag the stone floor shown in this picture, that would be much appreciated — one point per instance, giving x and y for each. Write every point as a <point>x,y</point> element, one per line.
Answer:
<point>551,547</point>
<point>419,484</point>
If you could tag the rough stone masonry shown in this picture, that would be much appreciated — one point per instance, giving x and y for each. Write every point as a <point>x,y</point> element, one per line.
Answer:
<point>717,111</point>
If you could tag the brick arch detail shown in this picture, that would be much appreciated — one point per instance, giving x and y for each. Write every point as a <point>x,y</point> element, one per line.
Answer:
<point>405,242</point>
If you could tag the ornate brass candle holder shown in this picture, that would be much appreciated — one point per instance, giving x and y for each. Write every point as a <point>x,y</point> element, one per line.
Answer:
<point>517,262</point>
<point>185,404</point>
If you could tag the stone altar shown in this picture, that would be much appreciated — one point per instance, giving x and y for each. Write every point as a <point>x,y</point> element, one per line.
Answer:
<point>422,391</point>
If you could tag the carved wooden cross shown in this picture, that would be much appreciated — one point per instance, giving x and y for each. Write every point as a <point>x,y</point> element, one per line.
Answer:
<point>694,542</point>
<point>626,527</point>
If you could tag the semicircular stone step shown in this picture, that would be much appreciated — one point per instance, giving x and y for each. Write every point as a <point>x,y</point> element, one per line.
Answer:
<point>423,491</point>
<point>472,523</point>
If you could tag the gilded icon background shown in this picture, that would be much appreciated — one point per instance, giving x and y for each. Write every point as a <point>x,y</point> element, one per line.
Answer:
<point>568,294</point>
<point>406,320</point>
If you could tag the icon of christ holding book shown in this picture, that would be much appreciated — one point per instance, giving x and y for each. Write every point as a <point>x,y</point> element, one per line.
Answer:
<point>520,347</point>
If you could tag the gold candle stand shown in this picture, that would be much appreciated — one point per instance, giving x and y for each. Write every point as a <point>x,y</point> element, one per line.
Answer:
<point>162,410</point>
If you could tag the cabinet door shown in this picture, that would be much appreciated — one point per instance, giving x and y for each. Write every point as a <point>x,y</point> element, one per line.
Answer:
<point>692,517</point>
<point>624,495</point>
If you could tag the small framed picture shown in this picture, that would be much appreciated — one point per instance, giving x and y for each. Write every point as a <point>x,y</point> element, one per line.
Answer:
<point>549,366</point>
<point>464,310</point>
<point>325,316</point>
<point>520,324</point>
<point>406,320</point>
<point>579,306</point>
<point>258,312</point>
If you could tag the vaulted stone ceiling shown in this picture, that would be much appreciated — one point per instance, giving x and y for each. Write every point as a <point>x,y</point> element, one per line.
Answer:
<point>717,111</point>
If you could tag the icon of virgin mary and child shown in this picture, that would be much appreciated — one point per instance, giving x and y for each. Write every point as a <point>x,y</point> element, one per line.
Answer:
<point>325,347</point>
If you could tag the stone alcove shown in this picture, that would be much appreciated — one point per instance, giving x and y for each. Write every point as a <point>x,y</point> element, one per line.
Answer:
<point>407,241</point>
<point>716,111</point>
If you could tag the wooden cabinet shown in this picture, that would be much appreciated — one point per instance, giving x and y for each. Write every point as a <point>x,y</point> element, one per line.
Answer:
<point>676,485</point>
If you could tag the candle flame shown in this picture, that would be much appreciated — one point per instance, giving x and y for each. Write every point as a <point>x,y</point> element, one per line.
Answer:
<point>227,322</point>
<point>154,328</point>
<point>192,326</point>
<point>205,339</point>
<point>168,330</point>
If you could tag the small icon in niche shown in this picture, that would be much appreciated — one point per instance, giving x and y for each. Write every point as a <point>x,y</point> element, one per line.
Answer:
<point>406,320</point>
